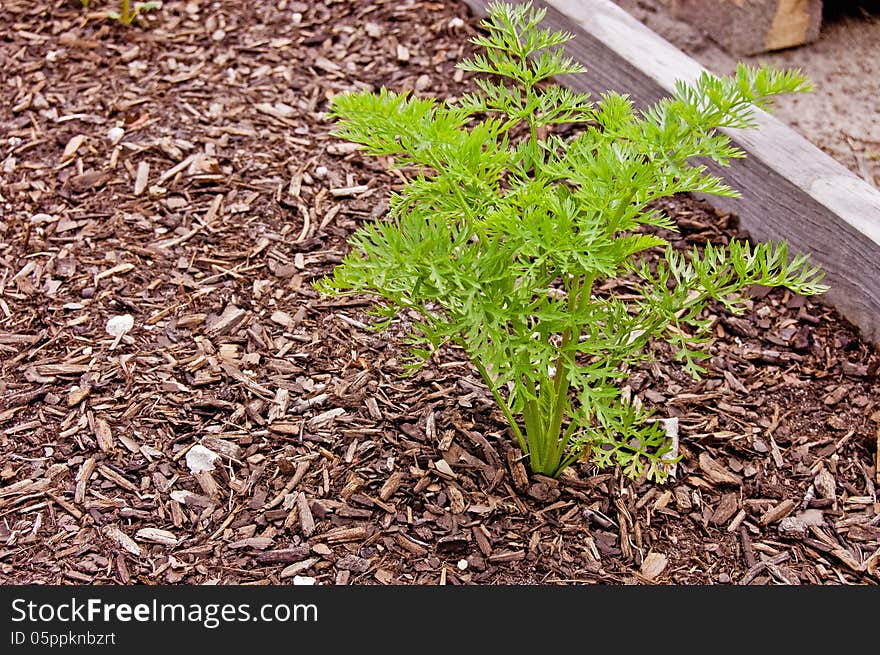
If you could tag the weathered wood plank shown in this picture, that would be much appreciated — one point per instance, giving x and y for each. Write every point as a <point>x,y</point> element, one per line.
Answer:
<point>790,189</point>
<point>753,26</point>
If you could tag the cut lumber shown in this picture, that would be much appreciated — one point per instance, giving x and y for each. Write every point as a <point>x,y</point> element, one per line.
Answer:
<point>747,27</point>
<point>791,190</point>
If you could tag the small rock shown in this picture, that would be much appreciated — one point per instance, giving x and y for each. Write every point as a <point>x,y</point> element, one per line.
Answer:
<point>422,82</point>
<point>798,524</point>
<point>117,326</point>
<point>353,563</point>
<point>303,580</point>
<point>384,576</point>
<point>402,53</point>
<point>200,459</point>
<point>115,134</point>
<point>653,565</point>
<point>723,578</point>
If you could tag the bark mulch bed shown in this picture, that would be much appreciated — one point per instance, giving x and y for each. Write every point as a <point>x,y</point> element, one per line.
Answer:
<point>182,174</point>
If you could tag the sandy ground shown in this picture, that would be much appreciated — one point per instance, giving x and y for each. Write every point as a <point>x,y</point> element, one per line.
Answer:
<point>842,114</point>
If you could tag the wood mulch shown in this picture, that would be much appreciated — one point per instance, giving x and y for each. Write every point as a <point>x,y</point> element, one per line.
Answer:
<point>167,195</point>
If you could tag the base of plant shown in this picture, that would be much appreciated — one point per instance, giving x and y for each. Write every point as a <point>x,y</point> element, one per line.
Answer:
<point>670,458</point>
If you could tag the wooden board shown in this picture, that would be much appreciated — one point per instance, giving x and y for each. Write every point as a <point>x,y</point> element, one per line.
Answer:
<point>747,27</point>
<point>791,190</point>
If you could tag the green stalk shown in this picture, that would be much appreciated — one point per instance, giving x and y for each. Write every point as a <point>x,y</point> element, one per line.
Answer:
<point>578,299</point>
<point>534,430</point>
<point>503,405</point>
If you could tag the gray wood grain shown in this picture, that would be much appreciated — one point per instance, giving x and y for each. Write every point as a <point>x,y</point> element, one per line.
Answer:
<point>791,190</point>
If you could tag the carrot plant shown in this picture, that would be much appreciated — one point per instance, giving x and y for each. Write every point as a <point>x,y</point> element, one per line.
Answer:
<point>499,241</point>
<point>127,12</point>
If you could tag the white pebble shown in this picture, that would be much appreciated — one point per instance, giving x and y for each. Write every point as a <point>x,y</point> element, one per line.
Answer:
<point>200,459</point>
<point>462,564</point>
<point>115,134</point>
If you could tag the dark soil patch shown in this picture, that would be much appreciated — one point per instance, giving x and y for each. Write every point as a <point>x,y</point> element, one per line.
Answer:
<point>205,219</point>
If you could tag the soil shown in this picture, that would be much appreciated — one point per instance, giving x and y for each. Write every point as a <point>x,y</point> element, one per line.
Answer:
<point>841,115</point>
<point>169,192</point>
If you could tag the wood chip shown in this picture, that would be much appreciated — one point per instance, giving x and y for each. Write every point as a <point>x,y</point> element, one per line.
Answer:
<point>222,447</point>
<point>444,470</point>
<point>517,471</point>
<point>391,485</point>
<point>306,521</point>
<point>77,395</point>
<point>505,556</point>
<point>725,509</point>
<point>284,555</point>
<point>717,472</point>
<point>777,512</point>
<point>343,192</point>
<point>257,543</point>
<point>342,535</point>
<point>72,146</point>
<point>156,536</point>
<point>142,178</point>
<point>103,435</point>
<point>82,479</point>
<point>353,563</point>
<point>298,567</point>
<point>229,319</point>
<point>127,543</point>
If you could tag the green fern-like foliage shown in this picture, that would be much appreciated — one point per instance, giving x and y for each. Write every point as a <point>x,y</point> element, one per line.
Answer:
<point>497,242</point>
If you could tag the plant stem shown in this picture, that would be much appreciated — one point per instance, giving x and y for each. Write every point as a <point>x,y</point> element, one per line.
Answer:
<point>503,405</point>
<point>578,298</point>
<point>534,430</point>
